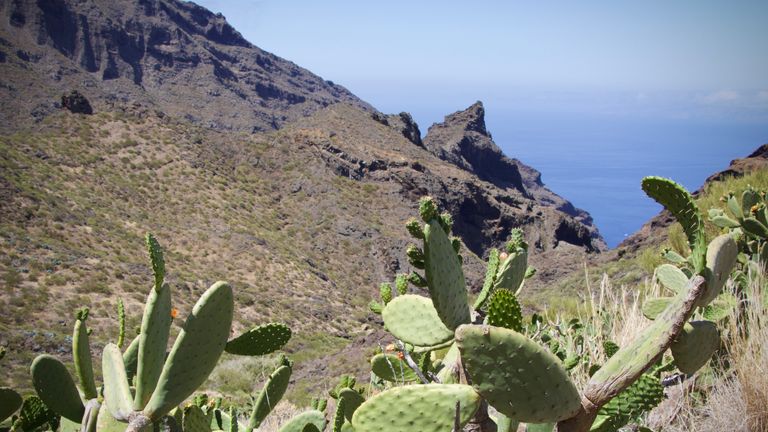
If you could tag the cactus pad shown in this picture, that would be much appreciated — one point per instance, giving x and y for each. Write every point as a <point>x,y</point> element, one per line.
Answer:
<point>721,257</point>
<point>516,376</point>
<point>644,395</point>
<point>413,319</point>
<point>10,402</point>
<point>264,339</point>
<point>352,401</point>
<point>390,368</point>
<point>34,414</point>
<point>695,345</point>
<point>680,203</point>
<point>671,277</point>
<point>196,351</point>
<point>270,395</point>
<point>512,271</point>
<point>445,279</point>
<point>425,408</point>
<point>195,420</point>
<point>156,259</point>
<point>504,310</point>
<point>308,421</point>
<point>490,277</point>
<point>117,393</point>
<point>81,355</point>
<point>655,306</point>
<point>153,340</point>
<point>56,388</point>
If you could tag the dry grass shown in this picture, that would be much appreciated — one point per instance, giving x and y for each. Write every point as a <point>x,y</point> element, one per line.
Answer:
<point>737,398</point>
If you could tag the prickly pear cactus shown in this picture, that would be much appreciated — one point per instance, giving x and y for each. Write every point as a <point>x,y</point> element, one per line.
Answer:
<point>504,310</point>
<point>10,402</point>
<point>390,367</point>
<point>308,421</point>
<point>517,377</point>
<point>721,257</point>
<point>261,340</point>
<point>273,390</point>
<point>56,388</point>
<point>430,408</point>
<point>413,319</point>
<point>695,345</point>
<point>642,396</point>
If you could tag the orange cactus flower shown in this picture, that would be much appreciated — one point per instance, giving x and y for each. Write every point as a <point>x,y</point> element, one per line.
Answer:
<point>174,313</point>
<point>754,209</point>
<point>400,355</point>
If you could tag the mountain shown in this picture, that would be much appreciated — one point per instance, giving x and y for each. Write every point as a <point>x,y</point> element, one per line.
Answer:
<point>176,56</point>
<point>155,115</point>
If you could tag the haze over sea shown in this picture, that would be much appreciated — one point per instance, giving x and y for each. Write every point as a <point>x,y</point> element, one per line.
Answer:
<point>594,94</point>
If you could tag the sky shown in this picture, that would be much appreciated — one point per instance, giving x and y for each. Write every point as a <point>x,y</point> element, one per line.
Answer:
<point>596,76</point>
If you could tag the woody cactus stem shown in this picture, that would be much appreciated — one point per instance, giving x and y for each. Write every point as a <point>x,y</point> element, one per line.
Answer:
<point>627,365</point>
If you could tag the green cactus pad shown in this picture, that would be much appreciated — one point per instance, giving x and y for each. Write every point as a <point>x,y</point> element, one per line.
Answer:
<point>680,203</point>
<point>56,388</point>
<point>749,198</point>
<point>131,357</point>
<point>261,340</point>
<point>504,310</point>
<point>352,401</point>
<point>671,277</point>
<point>695,345</point>
<point>390,368</point>
<point>338,416</point>
<point>414,228</point>
<point>516,376</point>
<point>413,319</point>
<point>385,293</point>
<point>196,351</point>
<point>754,227</point>
<point>81,355</point>
<point>721,257</point>
<point>312,418</point>
<point>643,395</point>
<point>490,277</point>
<point>718,217</point>
<point>35,414</point>
<point>156,259</point>
<point>271,393</point>
<point>10,402</point>
<point>451,363</point>
<point>195,420</point>
<point>106,423</point>
<point>445,279</point>
<point>427,209</point>
<point>425,408</point>
<point>512,271</point>
<point>153,340</point>
<point>505,424</point>
<point>655,306</point>
<point>117,393</point>
<point>721,308</point>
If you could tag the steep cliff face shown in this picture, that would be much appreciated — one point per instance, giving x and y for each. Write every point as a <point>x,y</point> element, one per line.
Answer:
<point>463,140</point>
<point>173,55</point>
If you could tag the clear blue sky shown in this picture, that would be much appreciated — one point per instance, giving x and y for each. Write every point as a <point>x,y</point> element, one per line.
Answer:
<point>393,48</point>
<point>595,94</point>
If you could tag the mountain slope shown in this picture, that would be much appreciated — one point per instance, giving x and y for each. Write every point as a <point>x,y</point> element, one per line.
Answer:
<point>172,55</point>
<point>296,194</point>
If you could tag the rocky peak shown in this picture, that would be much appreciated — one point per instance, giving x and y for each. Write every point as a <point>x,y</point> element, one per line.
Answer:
<point>463,140</point>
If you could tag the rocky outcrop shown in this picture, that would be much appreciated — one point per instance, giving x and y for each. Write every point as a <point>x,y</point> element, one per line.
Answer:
<point>171,55</point>
<point>76,103</point>
<point>463,140</point>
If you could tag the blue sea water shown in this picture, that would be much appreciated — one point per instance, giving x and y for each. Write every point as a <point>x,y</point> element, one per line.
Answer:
<point>597,162</point>
<point>596,158</point>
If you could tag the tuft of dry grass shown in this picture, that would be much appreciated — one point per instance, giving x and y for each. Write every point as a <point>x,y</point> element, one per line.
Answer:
<point>737,398</point>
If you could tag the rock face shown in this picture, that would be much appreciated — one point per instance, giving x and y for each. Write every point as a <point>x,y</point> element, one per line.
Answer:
<point>173,55</point>
<point>463,140</point>
<point>76,103</point>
